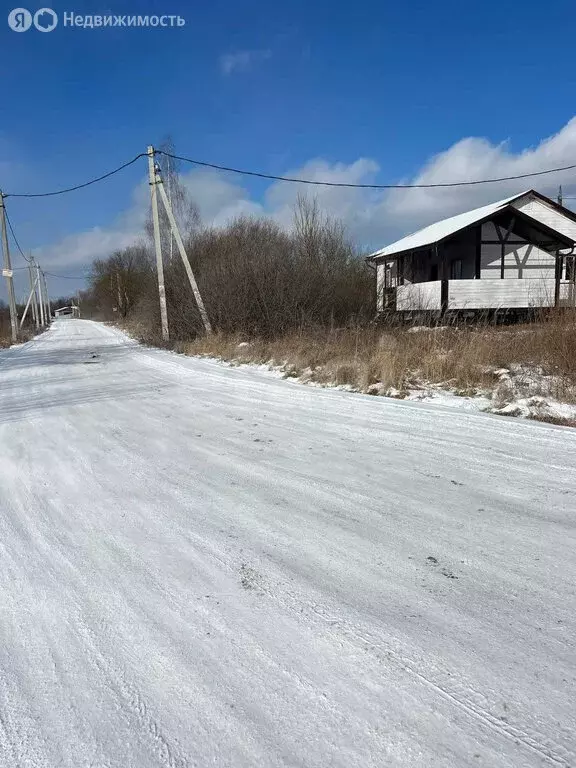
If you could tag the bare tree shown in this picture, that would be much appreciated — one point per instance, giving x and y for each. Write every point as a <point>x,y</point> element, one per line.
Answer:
<point>117,282</point>
<point>255,277</point>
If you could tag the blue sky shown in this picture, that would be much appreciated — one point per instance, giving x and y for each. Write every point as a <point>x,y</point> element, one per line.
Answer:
<point>368,91</point>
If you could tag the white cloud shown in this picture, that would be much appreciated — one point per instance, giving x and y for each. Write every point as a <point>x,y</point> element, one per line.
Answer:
<point>345,203</point>
<point>373,217</point>
<point>242,61</point>
<point>477,158</point>
<point>218,197</point>
<point>82,248</point>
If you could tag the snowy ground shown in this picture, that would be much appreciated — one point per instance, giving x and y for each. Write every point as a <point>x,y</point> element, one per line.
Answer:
<point>203,565</point>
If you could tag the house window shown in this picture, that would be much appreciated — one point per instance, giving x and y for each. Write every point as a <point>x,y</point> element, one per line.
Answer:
<point>456,269</point>
<point>433,272</point>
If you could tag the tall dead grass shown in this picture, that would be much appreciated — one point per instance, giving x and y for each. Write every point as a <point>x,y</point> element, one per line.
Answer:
<point>463,359</point>
<point>24,334</point>
<point>5,333</point>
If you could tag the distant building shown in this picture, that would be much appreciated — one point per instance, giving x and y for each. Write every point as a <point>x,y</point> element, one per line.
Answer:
<point>67,312</point>
<point>516,254</point>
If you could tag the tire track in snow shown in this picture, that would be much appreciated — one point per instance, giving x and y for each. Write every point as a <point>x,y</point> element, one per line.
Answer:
<point>443,682</point>
<point>466,698</point>
<point>132,702</point>
<point>111,678</point>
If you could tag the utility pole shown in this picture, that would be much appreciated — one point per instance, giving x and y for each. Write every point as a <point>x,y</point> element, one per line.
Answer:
<point>47,297</point>
<point>183,254</point>
<point>560,195</point>
<point>7,272</point>
<point>40,297</point>
<point>33,286</point>
<point>24,314</point>
<point>170,171</point>
<point>157,243</point>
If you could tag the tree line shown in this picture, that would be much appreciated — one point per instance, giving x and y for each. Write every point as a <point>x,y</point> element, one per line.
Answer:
<point>255,276</point>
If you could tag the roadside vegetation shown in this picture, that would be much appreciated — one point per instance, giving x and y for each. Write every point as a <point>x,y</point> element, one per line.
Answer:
<point>4,326</point>
<point>377,359</point>
<point>27,332</point>
<point>300,299</point>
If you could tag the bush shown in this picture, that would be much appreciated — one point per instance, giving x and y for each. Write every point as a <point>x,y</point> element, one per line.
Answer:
<point>255,277</point>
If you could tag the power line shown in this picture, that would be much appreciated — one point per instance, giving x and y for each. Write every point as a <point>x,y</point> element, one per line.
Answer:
<point>50,274</point>
<point>361,186</point>
<point>78,186</point>
<point>293,180</point>
<point>14,237</point>
<point>53,274</point>
<point>66,277</point>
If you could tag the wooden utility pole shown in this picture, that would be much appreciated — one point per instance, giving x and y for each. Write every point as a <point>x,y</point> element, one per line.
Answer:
<point>157,243</point>
<point>47,297</point>
<point>169,159</point>
<point>560,195</point>
<point>183,254</point>
<point>7,272</point>
<point>40,297</point>
<point>32,293</point>
<point>33,287</point>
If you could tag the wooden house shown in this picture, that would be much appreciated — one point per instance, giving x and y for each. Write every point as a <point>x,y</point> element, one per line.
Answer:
<point>514,255</point>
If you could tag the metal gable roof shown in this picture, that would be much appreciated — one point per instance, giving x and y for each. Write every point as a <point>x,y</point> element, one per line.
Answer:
<point>442,229</point>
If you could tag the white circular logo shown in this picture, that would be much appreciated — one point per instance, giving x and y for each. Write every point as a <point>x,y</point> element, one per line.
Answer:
<point>45,20</point>
<point>20,20</point>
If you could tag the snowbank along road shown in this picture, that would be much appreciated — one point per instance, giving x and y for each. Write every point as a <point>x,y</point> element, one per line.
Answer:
<point>205,565</point>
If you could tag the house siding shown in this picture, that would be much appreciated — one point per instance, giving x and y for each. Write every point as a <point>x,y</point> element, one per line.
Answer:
<point>496,294</point>
<point>547,215</point>
<point>567,296</point>
<point>520,261</point>
<point>419,296</point>
<point>380,273</point>
<point>484,294</point>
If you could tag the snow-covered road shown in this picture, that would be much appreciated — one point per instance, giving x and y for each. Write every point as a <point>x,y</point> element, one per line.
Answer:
<point>203,565</point>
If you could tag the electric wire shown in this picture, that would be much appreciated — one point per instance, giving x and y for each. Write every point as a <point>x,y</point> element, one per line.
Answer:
<point>258,174</point>
<point>14,236</point>
<point>78,186</point>
<point>361,186</point>
<point>291,179</point>
<point>53,274</point>
<point>66,277</point>
<point>30,261</point>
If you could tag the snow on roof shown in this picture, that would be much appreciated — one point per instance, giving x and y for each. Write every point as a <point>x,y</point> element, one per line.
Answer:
<point>442,229</point>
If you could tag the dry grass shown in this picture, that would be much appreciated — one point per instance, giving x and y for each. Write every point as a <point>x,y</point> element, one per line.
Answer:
<point>560,422</point>
<point>463,359</point>
<point>25,334</point>
<point>4,327</point>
